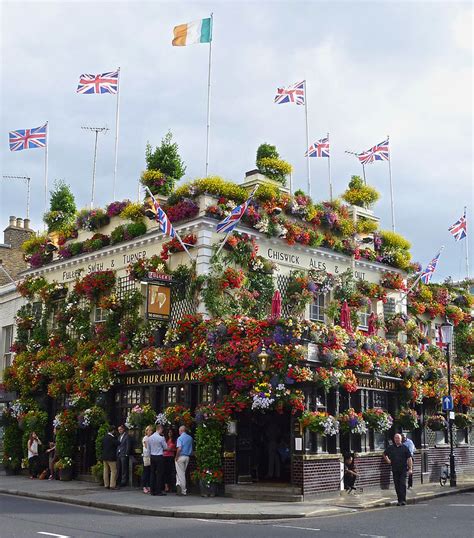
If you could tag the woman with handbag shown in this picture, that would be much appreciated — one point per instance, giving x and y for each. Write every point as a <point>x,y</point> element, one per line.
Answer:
<point>146,460</point>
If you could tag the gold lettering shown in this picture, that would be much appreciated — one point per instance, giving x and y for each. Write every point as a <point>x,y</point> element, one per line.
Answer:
<point>186,376</point>
<point>140,379</point>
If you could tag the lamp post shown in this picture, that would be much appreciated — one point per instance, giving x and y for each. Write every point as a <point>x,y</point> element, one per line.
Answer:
<point>447,338</point>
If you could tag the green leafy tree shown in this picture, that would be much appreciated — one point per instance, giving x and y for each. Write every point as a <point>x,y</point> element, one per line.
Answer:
<point>269,163</point>
<point>164,166</point>
<point>62,211</point>
<point>360,194</point>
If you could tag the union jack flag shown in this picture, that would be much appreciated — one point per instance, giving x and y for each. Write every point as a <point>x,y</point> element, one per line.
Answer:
<point>162,218</point>
<point>459,228</point>
<point>292,94</point>
<point>380,152</point>
<point>28,138</point>
<point>430,269</point>
<point>231,221</point>
<point>103,83</point>
<point>319,148</point>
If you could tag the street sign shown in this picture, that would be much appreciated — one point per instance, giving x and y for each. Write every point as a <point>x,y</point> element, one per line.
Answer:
<point>447,403</point>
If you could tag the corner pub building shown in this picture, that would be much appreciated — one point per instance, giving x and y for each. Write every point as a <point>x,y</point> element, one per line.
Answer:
<point>310,463</point>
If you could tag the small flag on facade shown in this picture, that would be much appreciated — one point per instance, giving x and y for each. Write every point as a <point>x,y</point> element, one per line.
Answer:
<point>231,221</point>
<point>28,138</point>
<point>319,148</point>
<point>292,94</point>
<point>459,228</point>
<point>162,218</point>
<point>193,32</point>
<point>430,269</point>
<point>103,83</point>
<point>380,152</point>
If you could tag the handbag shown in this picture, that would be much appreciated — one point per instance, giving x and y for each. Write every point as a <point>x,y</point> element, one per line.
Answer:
<point>146,461</point>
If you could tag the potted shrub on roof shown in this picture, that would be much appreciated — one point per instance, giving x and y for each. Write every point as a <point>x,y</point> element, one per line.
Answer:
<point>270,165</point>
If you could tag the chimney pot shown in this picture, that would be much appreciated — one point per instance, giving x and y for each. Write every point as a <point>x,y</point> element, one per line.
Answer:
<point>26,224</point>
<point>12,220</point>
<point>19,222</point>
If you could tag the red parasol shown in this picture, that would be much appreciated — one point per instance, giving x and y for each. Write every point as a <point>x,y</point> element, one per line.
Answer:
<point>346,317</point>
<point>276,305</point>
<point>372,324</point>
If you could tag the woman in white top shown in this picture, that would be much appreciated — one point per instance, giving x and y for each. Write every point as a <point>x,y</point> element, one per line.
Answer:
<point>146,460</point>
<point>33,456</point>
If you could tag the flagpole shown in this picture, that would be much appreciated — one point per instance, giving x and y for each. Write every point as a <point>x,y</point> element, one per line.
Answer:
<point>175,231</point>
<point>208,127</point>
<point>224,242</point>
<point>392,205</point>
<point>329,170</point>
<point>117,115</point>
<point>46,169</point>
<point>467,243</point>
<point>307,137</point>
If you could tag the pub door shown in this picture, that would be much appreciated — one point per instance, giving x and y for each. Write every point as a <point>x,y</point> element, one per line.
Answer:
<point>263,447</point>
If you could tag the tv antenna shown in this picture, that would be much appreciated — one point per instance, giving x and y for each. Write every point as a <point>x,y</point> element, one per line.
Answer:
<point>96,130</point>
<point>27,179</point>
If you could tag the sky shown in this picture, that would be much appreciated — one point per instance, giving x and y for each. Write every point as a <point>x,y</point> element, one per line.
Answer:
<point>373,69</point>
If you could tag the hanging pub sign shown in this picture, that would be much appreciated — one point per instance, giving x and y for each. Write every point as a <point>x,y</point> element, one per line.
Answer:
<point>158,298</point>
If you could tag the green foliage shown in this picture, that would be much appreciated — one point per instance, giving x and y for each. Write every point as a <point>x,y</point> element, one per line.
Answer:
<point>213,185</point>
<point>464,343</point>
<point>99,440</point>
<point>392,240</point>
<point>366,226</point>
<point>267,192</point>
<point>360,194</point>
<point>266,151</point>
<point>125,232</point>
<point>276,169</point>
<point>66,435</point>
<point>62,207</point>
<point>34,244</point>
<point>263,284</point>
<point>208,450</point>
<point>97,471</point>
<point>133,212</point>
<point>166,159</point>
<point>12,446</point>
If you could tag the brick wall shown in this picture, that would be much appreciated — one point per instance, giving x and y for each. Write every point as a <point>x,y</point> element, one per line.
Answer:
<point>316,476</point>
<point>374,472</point>
<point>230,470</point>
<point>464,459</point>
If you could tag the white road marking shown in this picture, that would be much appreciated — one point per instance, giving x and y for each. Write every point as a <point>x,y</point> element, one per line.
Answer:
<point>218,521</point>
<point>461,505</point>
<point>51,534</point>
<point>373,535</point>
<point>294,527</point>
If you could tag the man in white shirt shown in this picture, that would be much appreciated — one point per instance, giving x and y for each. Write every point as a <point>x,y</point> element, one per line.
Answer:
<point>156,445</point>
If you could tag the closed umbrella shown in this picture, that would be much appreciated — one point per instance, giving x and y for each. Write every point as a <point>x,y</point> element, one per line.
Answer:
<point>346,317</point>
<point>276,305</point>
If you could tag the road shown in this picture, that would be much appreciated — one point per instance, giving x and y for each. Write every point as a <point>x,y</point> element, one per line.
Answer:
<point>451,517</point>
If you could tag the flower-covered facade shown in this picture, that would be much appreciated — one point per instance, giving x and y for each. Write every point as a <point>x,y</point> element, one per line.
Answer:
<point>333,362</point>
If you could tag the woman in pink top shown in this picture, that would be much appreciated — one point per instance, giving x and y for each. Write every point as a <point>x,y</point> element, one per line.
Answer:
<point>169,454</point>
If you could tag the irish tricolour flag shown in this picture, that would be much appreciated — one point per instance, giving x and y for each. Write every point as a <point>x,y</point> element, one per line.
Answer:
<point>193,32</point>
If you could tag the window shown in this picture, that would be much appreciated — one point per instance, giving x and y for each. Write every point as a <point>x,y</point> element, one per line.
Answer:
<point>316,311</point>
<point>100,314</point>
<point>206,393</point>
<point>364,314</point>
<point>7,342</point>
<point>57,307</point>
<point>176,394</point>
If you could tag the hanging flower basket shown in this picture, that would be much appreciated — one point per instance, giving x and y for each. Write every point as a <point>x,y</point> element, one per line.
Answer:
<point>436,423</point>
<point>463,420</point>
<point>319,422</point>
<point>378,419</point>
<point>408,419</point>
<point>352,422</point>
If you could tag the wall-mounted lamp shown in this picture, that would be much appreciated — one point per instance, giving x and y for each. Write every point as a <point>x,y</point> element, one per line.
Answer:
<point>263,360</point>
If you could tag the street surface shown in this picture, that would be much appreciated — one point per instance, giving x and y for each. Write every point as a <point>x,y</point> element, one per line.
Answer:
<point>447,517</point>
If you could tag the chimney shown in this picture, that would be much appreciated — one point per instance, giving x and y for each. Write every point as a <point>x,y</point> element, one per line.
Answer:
<point>12,221</point>
<point>15,234</point>
<point>26,224</point>
<point>19,222</point>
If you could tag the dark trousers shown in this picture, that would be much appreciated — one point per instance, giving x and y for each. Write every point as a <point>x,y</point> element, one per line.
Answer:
<point>33,463</point>
<point>349,480</point>
<point>146,476</point>
<point>122,470</point>
<point>170,472</point>
<point>400,483</point>
<point>156,475</point>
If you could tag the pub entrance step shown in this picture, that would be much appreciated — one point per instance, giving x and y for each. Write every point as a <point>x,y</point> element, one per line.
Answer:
<point>264,491</point>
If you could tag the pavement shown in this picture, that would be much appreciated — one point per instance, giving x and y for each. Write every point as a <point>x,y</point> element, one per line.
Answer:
<point>133,501</point>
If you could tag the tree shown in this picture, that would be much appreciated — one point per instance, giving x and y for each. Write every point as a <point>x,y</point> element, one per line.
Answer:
<point>62,210</point>
<point>269,163</point>
<point>165,160</point>
<point>360,194</point>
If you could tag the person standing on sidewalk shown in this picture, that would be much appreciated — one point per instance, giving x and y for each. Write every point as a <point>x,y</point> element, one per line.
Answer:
<point>399,457</point>
<point>411,447</point>
<point>169,455</point>
<point>157,445</point>
<point>146,460</point>
<point>33,455</point>
<point>109,458</point>
<point>183,452</point>
<point>123,453</point>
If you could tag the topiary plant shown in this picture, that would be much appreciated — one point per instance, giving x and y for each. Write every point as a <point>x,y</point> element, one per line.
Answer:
<point>62,207</point>
<point>269,163</point>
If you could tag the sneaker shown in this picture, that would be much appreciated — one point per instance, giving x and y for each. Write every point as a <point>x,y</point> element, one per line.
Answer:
<point>178,489</point>
<point>403,503</point>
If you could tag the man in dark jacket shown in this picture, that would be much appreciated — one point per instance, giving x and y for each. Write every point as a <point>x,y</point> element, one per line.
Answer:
<point>109,459</point>
<point>123,453</point>
<point>399,457</point>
